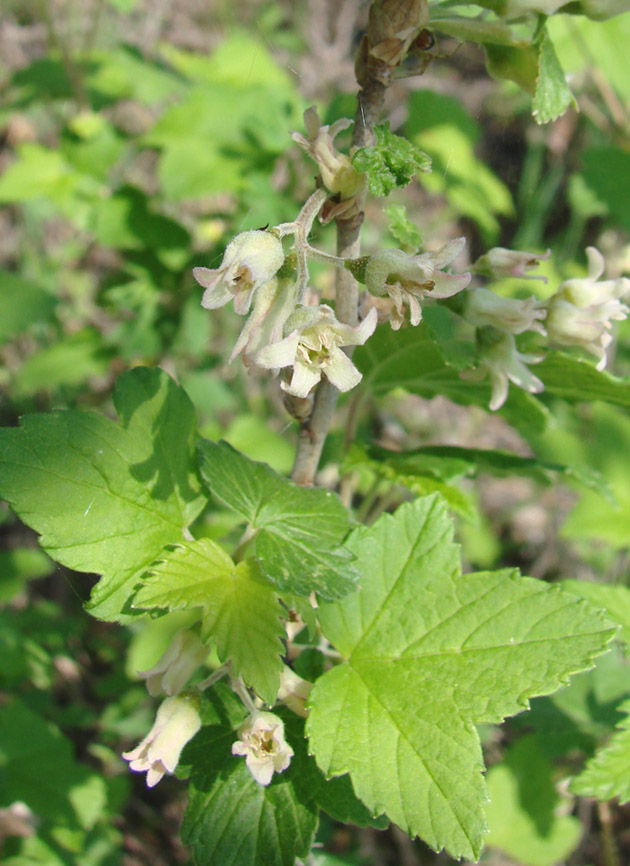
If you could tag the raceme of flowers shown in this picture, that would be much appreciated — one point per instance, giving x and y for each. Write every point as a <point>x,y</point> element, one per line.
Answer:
<point>268,283</point>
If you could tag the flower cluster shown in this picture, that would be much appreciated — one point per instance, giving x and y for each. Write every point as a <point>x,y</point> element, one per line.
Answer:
<point>269,284</point>
<point>582,310</point>
<point>579,314</point>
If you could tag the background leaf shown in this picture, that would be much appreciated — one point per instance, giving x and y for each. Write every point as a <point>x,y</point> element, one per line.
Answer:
<point>105,497</point>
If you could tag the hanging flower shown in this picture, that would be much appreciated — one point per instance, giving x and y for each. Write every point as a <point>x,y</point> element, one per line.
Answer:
<point>582,310</point>
<point>263,745</point>
<point>249,261</point>
<point>313,349</point>
<point>409,280</point>
<point>503,363</point>
<point>484,308</point>
<point>176,723</point>
<point>274,303</point>
<point>500,263</point>
<point>173,670</point>
<point>338,174</point>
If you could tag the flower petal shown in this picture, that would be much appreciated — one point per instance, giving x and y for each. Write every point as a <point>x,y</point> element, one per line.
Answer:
<point>341,372</point>
<point>280,354</point>
<point>304,379</point>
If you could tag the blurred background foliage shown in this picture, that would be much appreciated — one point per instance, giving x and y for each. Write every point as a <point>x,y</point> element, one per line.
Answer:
<point>136,138</point>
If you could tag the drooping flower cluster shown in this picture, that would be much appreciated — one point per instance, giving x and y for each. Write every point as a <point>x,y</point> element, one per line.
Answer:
<point>269,283</point>
<point>579,314</point>
<point>582,310</point>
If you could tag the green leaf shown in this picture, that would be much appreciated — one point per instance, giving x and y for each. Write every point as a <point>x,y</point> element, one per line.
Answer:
<point>578,716</point>
<point>298,531</point>
<point>68,362</point>
<point>421,478</point>
<point>401,227</point>
<point>614,599</point>
<point>408,359</point>
<point>448,462</point>
<point>241,611</point>
<point>22,304</point>
<point>391,163</point>
<point>552,96</point>
<point>37,767</point>
<point>232,820</point>
<point>107,497</point>
<point>580,381</point>
<point>607,174</point>
<point>523,808</point>
<point>607,774</point>
<point>430,653</point>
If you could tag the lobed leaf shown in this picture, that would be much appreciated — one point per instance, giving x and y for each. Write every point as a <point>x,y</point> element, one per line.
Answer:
<point>107,497</point>
<point>391,163</point>
<point>241,611</point>
<point>298,531</point>
<point>607,774</point>
<point>429,654</point>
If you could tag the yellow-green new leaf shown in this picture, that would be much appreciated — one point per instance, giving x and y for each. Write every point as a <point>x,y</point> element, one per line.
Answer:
<point>241,611</point>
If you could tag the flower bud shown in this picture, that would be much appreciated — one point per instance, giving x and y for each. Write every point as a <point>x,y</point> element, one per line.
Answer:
<point>176,723</point>
<point>250,260</point>
<point>263,745</point>
<point>501,263</point>
<point>173,670</point>
<point>484,308</point>
<point>294,691</point>
<point>338,174</point>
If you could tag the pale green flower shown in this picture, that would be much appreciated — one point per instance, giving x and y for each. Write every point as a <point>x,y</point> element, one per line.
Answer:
<point>313,349</point>
<point>484,308</point>
<point>176,723</point>
<point>338,174</point>
<point>500,263</point>
<point>503,363</point>
<point>249,261</point>
<point>263,745</point>
<point>273,304</point>
<point>183,656</point>
<point>582,310</point>
<point>409,280</point>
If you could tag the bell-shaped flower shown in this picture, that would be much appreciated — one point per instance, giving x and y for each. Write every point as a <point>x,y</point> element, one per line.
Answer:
<point>500,263</point>
<point>503,363</point>
<point>409,280</point>
<point>582,310</point>
<point>294,691</point>
<point>249,261</point>
<point>176,723</point>
<point>484,308</point>
<point>338,174</point>
<point>175,667</point>
<point>262,743</point>
<point>313,349</point>
<point>590,290</point>
<point>273,304</point>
